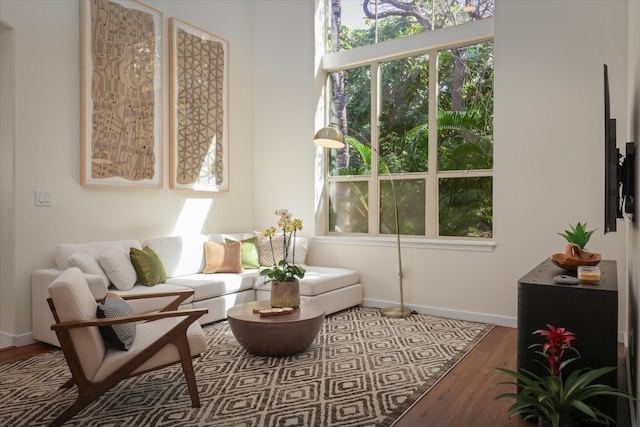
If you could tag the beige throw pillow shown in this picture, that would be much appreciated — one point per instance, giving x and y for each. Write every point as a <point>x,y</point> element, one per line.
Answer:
<point>223,258</point>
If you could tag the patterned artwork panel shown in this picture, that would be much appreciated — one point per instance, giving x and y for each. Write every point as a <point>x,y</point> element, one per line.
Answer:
<point>199,68</point>
<point>122,101</point>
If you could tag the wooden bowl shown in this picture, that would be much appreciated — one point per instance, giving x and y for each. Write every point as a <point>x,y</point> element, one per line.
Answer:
<point>575,256</point>
<point>572,264</point>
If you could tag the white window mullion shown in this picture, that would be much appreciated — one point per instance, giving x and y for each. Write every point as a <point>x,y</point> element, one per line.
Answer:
<point>432,176</point>
<point>374,182</point>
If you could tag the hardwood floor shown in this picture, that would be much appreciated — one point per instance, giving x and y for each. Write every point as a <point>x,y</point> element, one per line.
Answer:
<point>11,354</point>
<point>464,397</point>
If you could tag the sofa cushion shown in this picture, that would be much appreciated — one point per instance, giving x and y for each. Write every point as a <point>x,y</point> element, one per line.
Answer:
<point>220,237</point>
<point>148,266</point>
<point>223,258</point>
<point>214,285</point>
<point>318,280</point>
<point>86,260</point>
<point>120,335</point>
<point>180,255</point>
<point>149,332</point>
<point>116,263</point>
<point>64,250</point>
<point>250,257</point>
<point>301,248</point>
<point>147,305</point>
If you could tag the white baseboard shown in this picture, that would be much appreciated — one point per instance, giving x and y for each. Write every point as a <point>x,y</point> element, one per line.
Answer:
<point>510,322</point>
<point>8,340</point>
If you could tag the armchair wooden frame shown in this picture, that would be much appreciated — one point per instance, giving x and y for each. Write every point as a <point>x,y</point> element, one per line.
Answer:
<point>88,390</point>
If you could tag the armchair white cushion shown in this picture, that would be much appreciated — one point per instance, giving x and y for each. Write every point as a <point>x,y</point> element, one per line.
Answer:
<point>162,338</point>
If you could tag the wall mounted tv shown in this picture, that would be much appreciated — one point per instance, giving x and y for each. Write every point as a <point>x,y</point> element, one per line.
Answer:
<point>619,179</point>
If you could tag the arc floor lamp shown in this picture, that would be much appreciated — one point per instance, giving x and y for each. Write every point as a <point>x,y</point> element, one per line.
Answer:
<point>332,137</point>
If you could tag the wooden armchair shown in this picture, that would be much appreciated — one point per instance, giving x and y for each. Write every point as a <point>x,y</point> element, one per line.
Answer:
<point>162,338</point>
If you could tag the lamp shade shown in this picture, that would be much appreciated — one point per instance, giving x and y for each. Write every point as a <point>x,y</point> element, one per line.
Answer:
<point>330,137</point>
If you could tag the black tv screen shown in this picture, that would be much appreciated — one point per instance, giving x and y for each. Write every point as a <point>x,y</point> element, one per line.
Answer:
<point>611,164</point>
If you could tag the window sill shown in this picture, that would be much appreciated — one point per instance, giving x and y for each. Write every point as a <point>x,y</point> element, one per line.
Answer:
<point>409,242</point>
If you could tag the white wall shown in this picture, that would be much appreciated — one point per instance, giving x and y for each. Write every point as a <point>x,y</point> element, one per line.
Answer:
<point>548,163</point>
<point>284,111</point>
<point>7,259</point>
<point>633,134</point>
<point>549,128</point>
<point>47,144</point>
<point>548,146</point>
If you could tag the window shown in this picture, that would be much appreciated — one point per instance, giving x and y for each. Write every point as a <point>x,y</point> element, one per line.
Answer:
<point>363,22</point>
<point>424,117</point>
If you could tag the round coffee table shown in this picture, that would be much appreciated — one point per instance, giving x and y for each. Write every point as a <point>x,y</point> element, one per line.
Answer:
<point>281,335</point>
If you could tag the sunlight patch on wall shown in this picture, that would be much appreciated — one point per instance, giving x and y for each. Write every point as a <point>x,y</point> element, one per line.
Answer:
<point>192,217</point>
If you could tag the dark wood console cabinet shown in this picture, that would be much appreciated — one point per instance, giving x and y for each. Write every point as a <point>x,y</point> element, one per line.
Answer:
<point>589,311</point>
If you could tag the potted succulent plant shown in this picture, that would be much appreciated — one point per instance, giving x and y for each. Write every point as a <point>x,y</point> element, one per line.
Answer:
<point>575,254</point>
<point>578,235</point>
<point>555,399</point>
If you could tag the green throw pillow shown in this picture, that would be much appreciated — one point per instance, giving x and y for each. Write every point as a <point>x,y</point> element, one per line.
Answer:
<point>249,252</point>
<point>148,265</point>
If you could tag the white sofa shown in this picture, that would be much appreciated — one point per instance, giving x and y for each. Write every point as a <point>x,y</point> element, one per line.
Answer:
<point>183,258</point>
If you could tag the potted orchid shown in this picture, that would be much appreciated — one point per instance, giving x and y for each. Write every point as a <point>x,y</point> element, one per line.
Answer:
<point>285,288</point>
<point>558,400</point>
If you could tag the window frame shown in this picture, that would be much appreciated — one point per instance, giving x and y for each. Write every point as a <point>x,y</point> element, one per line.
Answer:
<point>429,43</point>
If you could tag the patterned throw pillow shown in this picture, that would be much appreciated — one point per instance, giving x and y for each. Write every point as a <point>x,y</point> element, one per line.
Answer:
<point>266,255</point>
<point>122,335</point>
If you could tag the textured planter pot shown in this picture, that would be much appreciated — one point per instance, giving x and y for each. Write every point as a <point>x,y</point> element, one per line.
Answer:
<point>285,294</point>
<point>543,423</point>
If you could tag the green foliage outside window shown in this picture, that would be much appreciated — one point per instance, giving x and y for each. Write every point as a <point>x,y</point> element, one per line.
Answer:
<point>465,137</point>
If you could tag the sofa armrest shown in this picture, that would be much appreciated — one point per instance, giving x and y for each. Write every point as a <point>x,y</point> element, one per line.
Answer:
<point>180,297</point>
<point>97,286</point>
<point>41,317</point>
<point>42,278</point>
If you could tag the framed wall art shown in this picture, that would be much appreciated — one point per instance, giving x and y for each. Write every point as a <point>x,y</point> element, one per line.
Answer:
<point>121,91</point>
<point>199,110</point>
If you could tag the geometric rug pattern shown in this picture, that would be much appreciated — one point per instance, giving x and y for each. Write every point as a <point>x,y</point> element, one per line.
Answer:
<point>362,370</point>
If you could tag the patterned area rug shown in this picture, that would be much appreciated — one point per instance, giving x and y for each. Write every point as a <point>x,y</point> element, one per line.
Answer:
<point>362,370</point>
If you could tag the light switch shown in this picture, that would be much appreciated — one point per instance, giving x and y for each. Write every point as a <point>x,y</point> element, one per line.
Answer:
<point>44,198</point>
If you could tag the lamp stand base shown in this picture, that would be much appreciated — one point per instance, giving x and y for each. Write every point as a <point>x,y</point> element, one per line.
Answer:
<point>395,312</point>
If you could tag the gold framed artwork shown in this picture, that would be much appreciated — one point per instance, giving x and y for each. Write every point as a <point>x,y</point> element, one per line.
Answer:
<point>199,112</point>
<point>121,94</point>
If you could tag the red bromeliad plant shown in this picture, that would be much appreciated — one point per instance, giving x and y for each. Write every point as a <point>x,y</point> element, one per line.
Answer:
<point>558,340</point>
<point>559,401</point>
